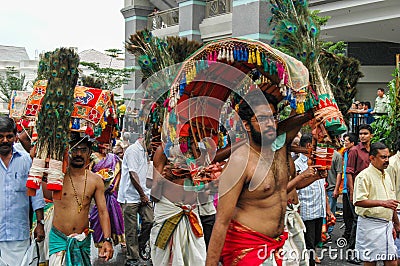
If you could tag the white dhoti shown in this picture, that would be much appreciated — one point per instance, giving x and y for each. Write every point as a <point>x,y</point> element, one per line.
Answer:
<point>397,240</point>
<point>374,240</point>
<point>294,251</point>
<point>12,252</point>
<point>173,236</point>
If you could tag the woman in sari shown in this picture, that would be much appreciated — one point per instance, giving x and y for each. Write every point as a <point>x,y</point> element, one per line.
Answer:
<point>108,165</point>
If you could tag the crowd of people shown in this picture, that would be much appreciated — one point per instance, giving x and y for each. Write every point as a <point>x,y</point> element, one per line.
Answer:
<point>272,203</point>
<point>363,113</point>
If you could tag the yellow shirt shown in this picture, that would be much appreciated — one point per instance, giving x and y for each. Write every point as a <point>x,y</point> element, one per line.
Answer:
<point>371,184</point>
<point>394,171</point>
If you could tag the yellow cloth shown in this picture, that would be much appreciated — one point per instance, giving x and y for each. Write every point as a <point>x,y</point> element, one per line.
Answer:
<point>122,109</point>
<point>371,184</point>
<point>394,171</point>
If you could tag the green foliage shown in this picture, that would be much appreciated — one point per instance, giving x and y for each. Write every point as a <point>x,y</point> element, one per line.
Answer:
<point>343,74</point>
<point>12,81</point>
<point>89,81</point>
<point>387,127</point>
<point>338,48</point>
<point>319,20</point>
<point>110,78</point>
<point>296,32</point>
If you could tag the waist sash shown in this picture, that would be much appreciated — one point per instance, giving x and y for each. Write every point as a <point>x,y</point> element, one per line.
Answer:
<point>244,246</point>
<point>77,252</point>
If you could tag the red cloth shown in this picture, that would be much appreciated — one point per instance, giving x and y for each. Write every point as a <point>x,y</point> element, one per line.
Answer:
<point>244,246</point>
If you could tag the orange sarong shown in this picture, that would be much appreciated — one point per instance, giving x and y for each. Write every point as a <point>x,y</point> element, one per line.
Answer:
<point>244,246</point>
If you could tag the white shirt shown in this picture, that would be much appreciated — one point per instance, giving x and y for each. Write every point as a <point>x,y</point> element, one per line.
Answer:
<point>312,198</point>
<point>135,160</point>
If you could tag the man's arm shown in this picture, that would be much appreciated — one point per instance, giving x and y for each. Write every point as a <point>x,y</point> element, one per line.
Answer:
<point>338,166</point>
<point>230,187</point>
<point>38,205</point>
<point>39,230</point>
<point>304,179</point>
<point>350,170</point>
<point>337,185</point>
<point>224,153</point>
<point>390,204</point>
<point>293,124</point>
<point>106,249</point>
<point>136,183</point>
<point>159,161</point>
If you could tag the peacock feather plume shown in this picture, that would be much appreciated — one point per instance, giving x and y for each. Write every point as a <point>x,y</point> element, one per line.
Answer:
<point>55,116</point>
<point>295,30</point>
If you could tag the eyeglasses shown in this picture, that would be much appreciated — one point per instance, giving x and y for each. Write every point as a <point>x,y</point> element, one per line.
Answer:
<point>81,150</point>
<point>266,118</point>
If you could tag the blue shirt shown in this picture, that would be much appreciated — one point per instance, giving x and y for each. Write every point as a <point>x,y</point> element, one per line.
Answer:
<point>345,156</point>
<point>312,198</point>
<point>14,203</point>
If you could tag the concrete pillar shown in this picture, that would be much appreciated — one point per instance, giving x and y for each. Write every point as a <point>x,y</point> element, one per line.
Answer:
<point>191,14</point>
<point>249,19</point>
<point>136,14</point>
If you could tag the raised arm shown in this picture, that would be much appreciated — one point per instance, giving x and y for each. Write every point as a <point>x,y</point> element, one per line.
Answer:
<point>159,161</point>
<point>293,124</point>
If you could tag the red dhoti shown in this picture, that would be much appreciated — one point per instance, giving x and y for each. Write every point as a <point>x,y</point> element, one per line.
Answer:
<point>244,246</point>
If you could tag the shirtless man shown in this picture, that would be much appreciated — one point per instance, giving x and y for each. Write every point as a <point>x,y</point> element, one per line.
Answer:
<point>71,223</point>
<point>250,219</point>
<point>181,244</point>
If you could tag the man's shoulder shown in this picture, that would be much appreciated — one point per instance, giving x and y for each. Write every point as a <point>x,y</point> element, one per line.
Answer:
<point>94,178</point>
<point>23,156</point>
<point>365,173</point>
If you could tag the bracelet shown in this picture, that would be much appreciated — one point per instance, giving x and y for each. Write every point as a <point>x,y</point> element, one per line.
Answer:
<point>107,239</point>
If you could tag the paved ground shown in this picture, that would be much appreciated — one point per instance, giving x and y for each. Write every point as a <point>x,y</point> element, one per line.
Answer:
<point>332,253</point>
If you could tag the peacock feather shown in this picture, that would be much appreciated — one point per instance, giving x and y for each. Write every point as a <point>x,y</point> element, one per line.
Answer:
<point>54,118</point>
<point>154,54</point>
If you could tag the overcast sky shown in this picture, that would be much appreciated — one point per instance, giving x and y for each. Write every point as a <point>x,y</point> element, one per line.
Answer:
<point>44,25</point>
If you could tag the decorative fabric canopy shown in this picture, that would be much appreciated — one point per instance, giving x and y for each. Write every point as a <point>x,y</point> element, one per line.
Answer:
<point>226,65</point>
<point>94,110</point>
<point>90,104</point>
<point>17,103</point>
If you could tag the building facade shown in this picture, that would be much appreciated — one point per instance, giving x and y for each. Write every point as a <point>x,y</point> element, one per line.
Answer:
<point>369,27</point>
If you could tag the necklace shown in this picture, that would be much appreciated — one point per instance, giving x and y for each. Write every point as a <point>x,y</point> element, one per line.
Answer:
<point>258,153</point>
<point>80,204</point>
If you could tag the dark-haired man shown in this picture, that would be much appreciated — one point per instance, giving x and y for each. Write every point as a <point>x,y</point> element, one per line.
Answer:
<point>358,160</point>
<point>313,204</point>
<point>253,188</point>
<point>14,210</point>
<point>381,106</point>
<point>376,204</point>
<point>350,140</point>
<point>70,236</point>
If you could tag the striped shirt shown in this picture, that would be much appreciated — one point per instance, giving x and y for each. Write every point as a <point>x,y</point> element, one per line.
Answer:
<point>312,198</point>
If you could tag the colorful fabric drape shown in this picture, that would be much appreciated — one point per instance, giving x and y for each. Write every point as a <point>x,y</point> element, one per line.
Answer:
<point>109,168</point>
<point>89,103</point>
<point>244,246</point>
<point>184,246</point>
<point>77,248</point>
